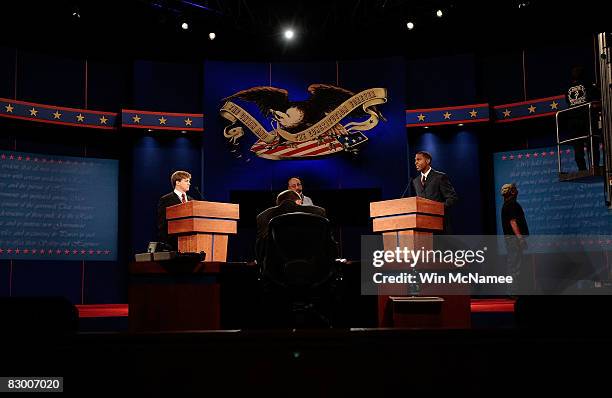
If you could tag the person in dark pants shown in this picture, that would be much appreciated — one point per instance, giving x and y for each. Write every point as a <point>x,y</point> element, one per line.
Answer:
<point>515,230</point>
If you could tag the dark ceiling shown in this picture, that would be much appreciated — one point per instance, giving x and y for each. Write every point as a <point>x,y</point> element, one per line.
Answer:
<point>252,29</point>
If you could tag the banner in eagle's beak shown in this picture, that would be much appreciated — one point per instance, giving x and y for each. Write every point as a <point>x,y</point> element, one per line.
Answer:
<point>324,137</point>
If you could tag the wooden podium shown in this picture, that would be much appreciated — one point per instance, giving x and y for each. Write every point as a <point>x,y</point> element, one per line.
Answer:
<point>203,226</point>
<point>411,223</point>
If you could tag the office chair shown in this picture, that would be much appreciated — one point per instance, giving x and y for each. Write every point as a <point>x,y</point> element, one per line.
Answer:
<point>299,266</point>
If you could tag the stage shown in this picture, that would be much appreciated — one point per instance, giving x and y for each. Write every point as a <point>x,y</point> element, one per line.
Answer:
<point>486,313</point>
<point>335,362</point>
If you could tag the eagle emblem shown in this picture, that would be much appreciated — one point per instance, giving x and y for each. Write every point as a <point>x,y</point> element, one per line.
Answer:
<point>301,129</point>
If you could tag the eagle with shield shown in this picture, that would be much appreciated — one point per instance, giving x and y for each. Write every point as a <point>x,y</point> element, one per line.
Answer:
<point>304,129</point>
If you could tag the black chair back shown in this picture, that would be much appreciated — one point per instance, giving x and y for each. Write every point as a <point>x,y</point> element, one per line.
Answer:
<point>300,252</point>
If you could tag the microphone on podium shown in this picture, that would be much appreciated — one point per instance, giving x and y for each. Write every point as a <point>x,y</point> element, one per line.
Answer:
<point>195,188</point>
<point>407,186</point>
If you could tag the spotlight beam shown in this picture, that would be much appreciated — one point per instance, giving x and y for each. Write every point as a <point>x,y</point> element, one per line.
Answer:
<point>201,6</point>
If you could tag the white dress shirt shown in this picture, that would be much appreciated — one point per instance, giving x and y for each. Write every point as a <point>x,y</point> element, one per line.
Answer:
<point>180,195</point>
<point>306,201</point>
<point>424,175</point>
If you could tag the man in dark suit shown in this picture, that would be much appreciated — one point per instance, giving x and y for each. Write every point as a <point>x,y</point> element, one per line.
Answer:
<point>286,202</point>
<point>180,181</point>
<point>434,185</point>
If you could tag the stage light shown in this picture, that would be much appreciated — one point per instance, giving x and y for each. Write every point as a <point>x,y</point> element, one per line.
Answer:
<point>460,125</point>
<point>289,34</point>
<point>185,25</point>
<point>212,35</point>
<point>410,25</point>
<point>439,13</point>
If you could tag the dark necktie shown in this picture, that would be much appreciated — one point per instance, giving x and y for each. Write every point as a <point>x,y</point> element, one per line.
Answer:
<point>422,180</point>
<point>183,198</point>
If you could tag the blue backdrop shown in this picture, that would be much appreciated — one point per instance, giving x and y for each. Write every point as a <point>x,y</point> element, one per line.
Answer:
<point>551,207</point>
<point>382,161</point>
<point>147,159</point>
<point>58,207</point>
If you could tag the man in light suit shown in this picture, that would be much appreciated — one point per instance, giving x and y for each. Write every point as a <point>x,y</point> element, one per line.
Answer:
<point>180,181</point>
<point>434,185</point>
<point>295,184</point>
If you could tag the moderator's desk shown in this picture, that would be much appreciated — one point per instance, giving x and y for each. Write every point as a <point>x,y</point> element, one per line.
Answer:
<point>165,297</point>
<point>215,295</point>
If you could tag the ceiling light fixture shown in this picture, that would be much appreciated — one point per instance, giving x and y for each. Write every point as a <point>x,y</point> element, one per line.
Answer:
<point>289,34</point>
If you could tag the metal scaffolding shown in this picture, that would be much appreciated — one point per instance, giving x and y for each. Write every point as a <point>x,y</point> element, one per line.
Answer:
<point>604,41</point>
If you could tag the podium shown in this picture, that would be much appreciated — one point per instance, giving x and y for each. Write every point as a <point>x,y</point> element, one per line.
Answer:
<point>203,226</point>
<point>411,223</point>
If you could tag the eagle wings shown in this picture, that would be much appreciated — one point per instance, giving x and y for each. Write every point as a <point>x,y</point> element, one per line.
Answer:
<point>324,98</point>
